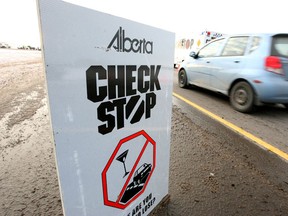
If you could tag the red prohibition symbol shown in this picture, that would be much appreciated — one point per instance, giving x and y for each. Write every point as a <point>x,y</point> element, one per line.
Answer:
<point>129,169</point>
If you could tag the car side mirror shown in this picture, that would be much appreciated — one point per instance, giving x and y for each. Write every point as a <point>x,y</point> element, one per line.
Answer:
<point>193,54</point>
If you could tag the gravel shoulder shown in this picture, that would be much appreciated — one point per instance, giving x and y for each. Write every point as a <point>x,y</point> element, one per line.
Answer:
<point>28,176</point>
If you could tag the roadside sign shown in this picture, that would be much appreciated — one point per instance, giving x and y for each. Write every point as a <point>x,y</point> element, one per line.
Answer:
<point>109,83</point>
<point>133,183</point>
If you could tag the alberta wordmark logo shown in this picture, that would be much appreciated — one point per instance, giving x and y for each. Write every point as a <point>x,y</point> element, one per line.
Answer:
<point>122,43</point>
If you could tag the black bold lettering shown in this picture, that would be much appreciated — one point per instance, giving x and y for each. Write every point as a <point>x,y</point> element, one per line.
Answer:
<point>95,93</point>
<point>150,103</point>
<point>116,79</point>
<point>119,104</point>
<point>131,104</point>
<point>143,86</point>
<point>103,116</point>
<point>138,114</point>
<point>154,77</point>
<point>130,80</point>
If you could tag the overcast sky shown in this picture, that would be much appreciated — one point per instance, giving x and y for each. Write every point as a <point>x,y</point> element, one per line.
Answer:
<point>19,18</point>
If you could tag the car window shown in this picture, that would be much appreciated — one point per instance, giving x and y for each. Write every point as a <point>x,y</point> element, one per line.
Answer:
<point>255,44</point>
<point>211,49</point>
<point>280,45</point>
<point>235,46</point>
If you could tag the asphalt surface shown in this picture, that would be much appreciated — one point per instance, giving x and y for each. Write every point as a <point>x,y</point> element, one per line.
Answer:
<point>269,122</point>
<point>214,171</point>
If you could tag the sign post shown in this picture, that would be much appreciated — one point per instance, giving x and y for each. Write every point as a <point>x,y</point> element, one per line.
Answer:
<point>109,84</point>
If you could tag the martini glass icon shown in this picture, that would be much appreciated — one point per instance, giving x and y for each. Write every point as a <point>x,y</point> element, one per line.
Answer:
<point>122,159</point>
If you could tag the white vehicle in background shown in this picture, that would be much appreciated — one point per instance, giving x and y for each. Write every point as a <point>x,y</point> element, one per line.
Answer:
<point>185,45</point>
<point>4,45</point>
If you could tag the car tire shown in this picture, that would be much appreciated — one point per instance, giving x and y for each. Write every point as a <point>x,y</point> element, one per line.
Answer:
<point>242,97</point>
<point>182,79</point>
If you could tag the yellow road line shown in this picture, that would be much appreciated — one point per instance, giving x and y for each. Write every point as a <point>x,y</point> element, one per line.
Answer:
<point>236,128</point>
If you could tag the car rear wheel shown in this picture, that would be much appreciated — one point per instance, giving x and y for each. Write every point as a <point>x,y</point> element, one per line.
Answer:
<point>242,97</point>
<point>182,79</point>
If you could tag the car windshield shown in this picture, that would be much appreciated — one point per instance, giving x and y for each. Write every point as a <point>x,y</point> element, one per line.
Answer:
<point>280,46</point>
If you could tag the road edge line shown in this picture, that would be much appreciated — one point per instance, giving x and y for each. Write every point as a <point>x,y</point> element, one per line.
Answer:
<point>235,128</point>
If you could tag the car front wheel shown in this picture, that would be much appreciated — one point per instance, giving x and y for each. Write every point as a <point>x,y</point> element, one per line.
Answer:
<point>242,97</point>
<point>182,79</point>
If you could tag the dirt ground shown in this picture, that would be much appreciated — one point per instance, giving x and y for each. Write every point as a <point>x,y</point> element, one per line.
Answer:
<point>208,174</point>
<point>28,177</point>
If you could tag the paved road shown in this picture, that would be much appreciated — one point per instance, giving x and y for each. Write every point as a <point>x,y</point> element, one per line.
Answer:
<point>269,123</point>
<point>214,171</point>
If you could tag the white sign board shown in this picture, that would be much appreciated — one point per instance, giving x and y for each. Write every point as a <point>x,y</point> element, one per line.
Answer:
<point>110,93</point>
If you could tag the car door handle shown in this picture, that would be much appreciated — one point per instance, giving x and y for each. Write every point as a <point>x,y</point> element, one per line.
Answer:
<point>236,61</point>
<point>208,62</point>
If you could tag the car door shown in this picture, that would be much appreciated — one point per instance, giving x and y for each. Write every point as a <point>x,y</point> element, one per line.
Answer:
<point>199,67</point>
<point>229,63</point>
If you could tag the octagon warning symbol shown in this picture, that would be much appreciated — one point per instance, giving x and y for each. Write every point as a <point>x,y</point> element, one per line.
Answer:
<point>129,169</point>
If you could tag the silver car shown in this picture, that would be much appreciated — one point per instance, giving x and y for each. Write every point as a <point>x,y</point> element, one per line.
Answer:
<point>250,69</point>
